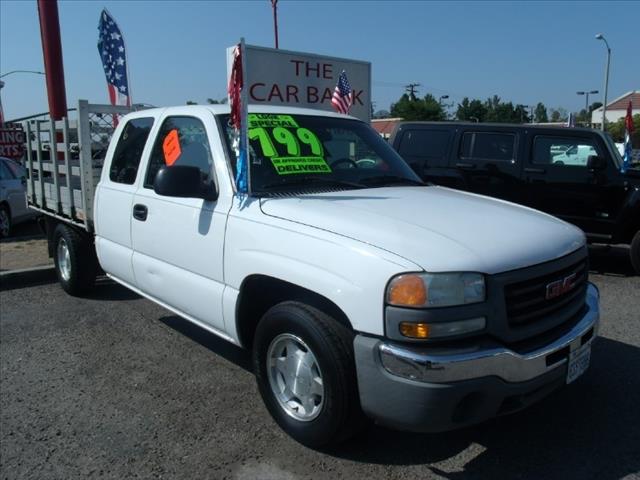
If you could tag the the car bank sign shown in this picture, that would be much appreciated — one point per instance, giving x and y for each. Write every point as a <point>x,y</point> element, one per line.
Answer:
<point>296,79</point>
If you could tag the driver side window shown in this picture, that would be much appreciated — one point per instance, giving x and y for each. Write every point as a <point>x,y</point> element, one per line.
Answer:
<point>180,141</point>
<point>563,151</point>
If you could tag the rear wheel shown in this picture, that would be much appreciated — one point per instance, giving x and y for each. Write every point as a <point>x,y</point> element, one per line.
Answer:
<point>5,221</point>
<point>74,259</point>
<point>635,252</point>
<point>304,365</point>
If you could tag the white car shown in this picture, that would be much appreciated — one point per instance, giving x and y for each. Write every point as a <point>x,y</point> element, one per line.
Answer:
<point>578,155</point>
<point>13,196</point>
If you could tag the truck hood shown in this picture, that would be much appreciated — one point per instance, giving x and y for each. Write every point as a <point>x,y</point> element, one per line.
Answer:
<point>438,229</point>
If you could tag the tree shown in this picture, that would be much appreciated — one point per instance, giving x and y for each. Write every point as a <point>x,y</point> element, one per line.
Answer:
<point>427,108</point>
<point>617,130</point>
<point>471,110</point>
<point>584,116</point>
<point>191,102</point>
<point>559,115</point>
<point>382,114</point>
<point>213,101</point>
<point>540,113</point>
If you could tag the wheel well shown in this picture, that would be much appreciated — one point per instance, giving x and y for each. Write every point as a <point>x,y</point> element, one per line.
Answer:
<point>50,225</point>
<point>258,293</point>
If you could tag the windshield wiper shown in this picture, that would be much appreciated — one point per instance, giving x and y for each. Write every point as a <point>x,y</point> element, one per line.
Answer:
<point>391,179</point>
<point>311,180</point>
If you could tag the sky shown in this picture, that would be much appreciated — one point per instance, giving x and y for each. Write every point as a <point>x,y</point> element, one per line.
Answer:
<point>524,52</point>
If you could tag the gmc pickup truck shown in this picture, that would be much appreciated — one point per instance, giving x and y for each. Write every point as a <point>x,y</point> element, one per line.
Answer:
<point>362,292</point>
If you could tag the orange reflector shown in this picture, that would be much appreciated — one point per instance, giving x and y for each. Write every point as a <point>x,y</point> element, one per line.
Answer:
<point>414,330</point>
<point>407,290</point>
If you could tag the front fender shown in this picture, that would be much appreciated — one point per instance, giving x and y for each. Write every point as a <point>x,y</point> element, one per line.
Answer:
<point>351,274</point>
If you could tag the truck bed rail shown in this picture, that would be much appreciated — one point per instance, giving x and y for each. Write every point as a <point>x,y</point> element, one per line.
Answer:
<point>64,161</point>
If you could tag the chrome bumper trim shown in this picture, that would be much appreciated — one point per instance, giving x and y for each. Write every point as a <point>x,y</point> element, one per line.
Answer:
<point>451,366</point>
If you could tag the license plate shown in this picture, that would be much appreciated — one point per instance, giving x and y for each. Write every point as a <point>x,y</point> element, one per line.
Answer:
<point>578,362</point>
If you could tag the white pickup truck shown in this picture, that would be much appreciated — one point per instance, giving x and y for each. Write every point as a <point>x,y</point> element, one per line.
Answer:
<point>361,291</point>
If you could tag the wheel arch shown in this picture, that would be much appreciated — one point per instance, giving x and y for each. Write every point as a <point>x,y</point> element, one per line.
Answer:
<point>258,293</point>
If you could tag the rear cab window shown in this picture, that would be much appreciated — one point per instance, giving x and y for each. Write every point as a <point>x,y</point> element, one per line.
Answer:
<point>128,152</point>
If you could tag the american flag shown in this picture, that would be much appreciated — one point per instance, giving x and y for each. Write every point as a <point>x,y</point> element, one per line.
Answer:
<point>114,60</point>
<point>342,95</point>
<point>628,130</point>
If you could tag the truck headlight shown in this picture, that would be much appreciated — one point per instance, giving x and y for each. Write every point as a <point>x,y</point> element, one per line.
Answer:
<point>426,290</point>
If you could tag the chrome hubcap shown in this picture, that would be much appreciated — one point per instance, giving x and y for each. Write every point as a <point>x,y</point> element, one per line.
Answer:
<point>64,259</point>
<point>295,377</point>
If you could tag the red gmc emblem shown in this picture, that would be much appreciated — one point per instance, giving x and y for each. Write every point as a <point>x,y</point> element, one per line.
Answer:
<point>560,287</point>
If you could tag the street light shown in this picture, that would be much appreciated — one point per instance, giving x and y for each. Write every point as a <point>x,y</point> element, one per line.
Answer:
<point>2,85</point>
<point>586,101</point>
<point>606,77</point>
<point>22,71</point>
<point>442,97</point>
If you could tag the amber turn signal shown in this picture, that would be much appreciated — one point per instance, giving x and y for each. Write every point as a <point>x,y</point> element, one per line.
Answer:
<point>407,290</point>
<point>414,330</point>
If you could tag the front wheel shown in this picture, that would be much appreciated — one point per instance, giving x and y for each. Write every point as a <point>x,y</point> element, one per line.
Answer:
<point>305,369</point>
<point>74,259</point>
<point>635,252</point>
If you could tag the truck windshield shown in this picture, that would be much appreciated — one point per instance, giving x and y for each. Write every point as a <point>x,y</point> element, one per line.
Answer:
<point>304,152</point>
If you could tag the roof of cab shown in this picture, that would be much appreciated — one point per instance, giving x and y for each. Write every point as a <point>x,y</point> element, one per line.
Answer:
<point>274,109</point>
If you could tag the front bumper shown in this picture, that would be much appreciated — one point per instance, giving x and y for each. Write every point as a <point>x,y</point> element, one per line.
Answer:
<point>436,389</point>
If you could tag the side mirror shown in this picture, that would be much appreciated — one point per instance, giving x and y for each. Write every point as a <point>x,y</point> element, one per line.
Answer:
<point>184,181</point>
<point>594,162</point>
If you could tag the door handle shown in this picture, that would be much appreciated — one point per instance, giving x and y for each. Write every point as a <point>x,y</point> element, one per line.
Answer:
<point>465,165</point>
<point>534,170</point>
<point>140,212</point>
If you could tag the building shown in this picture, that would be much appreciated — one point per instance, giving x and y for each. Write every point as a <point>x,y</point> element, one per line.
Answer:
<point>385,126</point>
<point>617,109</point>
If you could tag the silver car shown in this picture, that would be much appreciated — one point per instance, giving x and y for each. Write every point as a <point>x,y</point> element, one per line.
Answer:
<point>13,196</point>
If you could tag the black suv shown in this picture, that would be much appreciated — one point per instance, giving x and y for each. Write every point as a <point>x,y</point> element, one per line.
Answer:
<point>572,173</point>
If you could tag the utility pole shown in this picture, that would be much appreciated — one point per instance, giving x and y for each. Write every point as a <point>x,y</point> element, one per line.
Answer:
<point>606,81</point>
<point>274,5</point>
<point>411,89</point>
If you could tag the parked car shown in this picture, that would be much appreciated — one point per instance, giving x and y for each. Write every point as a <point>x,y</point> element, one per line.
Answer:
<point>360,290</point>
<point>572,173</point>
<point>13,196</point>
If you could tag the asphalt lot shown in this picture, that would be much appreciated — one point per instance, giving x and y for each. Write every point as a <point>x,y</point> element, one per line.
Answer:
<point>114,386</point>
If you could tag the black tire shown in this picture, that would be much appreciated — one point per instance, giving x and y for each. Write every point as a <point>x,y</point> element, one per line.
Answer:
<point>81,274</point>
<point>5,221</point>
<point>340,416</point>
<point>635,252</point>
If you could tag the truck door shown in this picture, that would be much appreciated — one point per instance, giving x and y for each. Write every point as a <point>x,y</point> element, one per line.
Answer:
<point>487,162</point>
<point>114,197</point>
<point>559,182</point>
<point>178,242</point>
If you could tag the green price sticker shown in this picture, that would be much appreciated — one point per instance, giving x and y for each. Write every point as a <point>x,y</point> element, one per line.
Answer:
<point>294,165</point>
<point>271,131</point>
<point>268,120</point>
